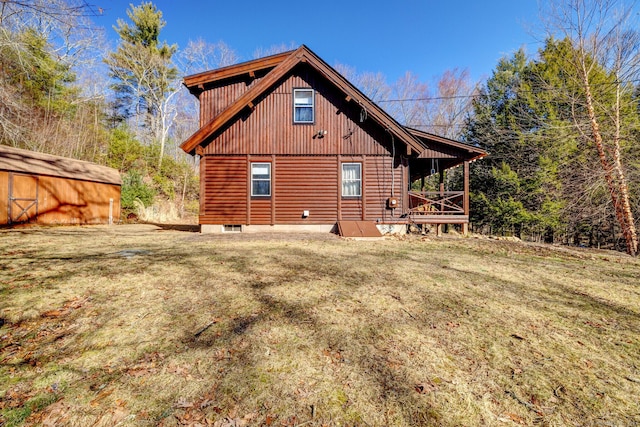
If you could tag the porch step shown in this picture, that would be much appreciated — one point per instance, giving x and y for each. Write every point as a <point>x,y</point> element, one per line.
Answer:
<point>439,219</point>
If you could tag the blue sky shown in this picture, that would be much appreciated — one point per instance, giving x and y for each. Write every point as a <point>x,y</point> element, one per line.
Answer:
<point>425,37</point>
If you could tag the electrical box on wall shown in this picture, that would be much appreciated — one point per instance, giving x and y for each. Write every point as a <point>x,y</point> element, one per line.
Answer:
<point>392,202</point>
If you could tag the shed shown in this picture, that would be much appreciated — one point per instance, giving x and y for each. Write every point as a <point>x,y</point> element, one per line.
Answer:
<point>46,189</point>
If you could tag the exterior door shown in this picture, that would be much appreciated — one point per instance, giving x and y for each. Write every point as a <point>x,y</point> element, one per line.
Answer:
<point>23,198</point>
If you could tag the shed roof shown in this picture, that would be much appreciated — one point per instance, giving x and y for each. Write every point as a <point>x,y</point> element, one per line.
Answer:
<point>433,142</point>
<point>34,163</point>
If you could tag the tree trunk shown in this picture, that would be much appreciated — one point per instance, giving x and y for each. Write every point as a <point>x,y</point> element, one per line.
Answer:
<point>616,184</point>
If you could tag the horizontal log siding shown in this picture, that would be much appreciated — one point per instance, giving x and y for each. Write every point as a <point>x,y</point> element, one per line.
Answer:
<point>377,187</point>
<point>351,209</point>
<point>261,211</point>
<point>306,183</point>
<point>225,190</point>
<point>269,127</point>
<point>299,183</point>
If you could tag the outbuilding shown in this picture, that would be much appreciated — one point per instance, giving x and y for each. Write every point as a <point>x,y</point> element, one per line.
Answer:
<point>42,188</point>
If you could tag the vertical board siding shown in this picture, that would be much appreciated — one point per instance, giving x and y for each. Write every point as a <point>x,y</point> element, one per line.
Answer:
<point>269,127</point>
<point>60,200</point>
<point>225,190</point>
<point>214,100</point>
<point>67,201</point>
<point>4,197</point>
<point>306,183</point>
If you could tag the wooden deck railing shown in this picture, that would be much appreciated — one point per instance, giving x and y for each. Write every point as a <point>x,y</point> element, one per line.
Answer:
<point>436,206</point>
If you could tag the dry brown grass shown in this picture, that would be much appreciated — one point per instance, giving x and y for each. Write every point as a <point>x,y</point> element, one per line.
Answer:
<point>100,328</point>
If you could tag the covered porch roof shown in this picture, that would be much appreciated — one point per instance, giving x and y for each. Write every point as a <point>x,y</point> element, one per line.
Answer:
<point>444,153</point>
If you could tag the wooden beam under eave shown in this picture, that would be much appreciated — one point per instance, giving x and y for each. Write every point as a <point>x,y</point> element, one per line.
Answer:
<point>199,150</point>
<point>252,74</point>
<point>348,98</point>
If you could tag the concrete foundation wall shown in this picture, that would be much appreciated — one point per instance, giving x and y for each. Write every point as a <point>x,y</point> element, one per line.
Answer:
<point>280,228</point>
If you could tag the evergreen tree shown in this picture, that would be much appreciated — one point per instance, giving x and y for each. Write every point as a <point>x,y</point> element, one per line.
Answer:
<point>145,79</point>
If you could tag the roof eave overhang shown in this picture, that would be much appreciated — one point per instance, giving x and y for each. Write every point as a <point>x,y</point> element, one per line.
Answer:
<point>195,83</point>
<point>468,152</point>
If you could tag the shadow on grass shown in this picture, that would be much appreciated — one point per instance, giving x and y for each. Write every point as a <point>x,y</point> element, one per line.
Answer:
<point>191,228</point>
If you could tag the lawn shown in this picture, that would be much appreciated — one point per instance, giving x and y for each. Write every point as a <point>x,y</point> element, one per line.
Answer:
<point>138,325</point>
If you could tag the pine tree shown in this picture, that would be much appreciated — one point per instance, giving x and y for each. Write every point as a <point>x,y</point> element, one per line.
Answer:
<point>145,79</point>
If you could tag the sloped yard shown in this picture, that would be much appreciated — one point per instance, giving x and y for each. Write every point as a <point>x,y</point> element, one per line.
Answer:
<point>135,325</point>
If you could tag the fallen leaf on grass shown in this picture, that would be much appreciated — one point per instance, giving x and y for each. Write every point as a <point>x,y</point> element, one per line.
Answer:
<point>104,393</point>
<point>425,388</point>
<point>510,416</point>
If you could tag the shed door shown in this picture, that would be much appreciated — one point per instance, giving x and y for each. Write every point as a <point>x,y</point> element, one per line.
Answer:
<point>23,198</point>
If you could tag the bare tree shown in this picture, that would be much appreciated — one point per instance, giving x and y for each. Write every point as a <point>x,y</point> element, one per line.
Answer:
<point>445,112</point>
<point>603,36</point>
<point>374,85</point>
<point>273,49</point>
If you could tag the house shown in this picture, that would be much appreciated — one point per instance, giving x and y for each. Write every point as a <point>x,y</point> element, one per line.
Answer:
<point>287,143</point>
<point>38,188</point>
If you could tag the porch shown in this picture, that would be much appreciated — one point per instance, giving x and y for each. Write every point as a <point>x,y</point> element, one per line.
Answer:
<point>440,206</point>
<point>434,207</point>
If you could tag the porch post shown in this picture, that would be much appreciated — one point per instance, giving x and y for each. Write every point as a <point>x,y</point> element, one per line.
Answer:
<point>439,226</point>
<point>465,226</point>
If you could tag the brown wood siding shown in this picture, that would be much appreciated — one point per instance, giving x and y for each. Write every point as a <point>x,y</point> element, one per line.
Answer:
<point>299,183</point>
<point>306,183</point>
<point>59,200</point>
<point>351,209</point>
<point>377,186</point>
<point>4,197</point>
<point>269,127</point>
<point>260,211</point>
<point>224,195</point>
<point>67,201</point>
<point>213,101</point>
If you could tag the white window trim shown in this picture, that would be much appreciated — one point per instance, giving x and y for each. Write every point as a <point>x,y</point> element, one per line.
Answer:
<point>260,179</point>
<point>312,105</point>
<point>359,180</point>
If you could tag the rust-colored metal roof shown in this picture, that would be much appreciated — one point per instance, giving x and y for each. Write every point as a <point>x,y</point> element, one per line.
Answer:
<point>285,64</point>
<point>358,229</point>
<point>436,143</point>
<point>34,163</point>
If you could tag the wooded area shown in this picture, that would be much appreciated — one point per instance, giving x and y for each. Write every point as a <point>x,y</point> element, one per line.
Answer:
<point>560,124</point>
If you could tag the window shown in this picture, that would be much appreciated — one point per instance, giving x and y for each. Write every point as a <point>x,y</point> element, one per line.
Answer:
<point>303,106</point>
<point>351,180</point>
<point>261,179</point>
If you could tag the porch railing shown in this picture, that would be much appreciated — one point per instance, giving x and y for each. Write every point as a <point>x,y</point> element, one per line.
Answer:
<point>436,203</point>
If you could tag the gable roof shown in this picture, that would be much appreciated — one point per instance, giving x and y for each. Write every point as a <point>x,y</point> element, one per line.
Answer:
<point>34,163</point>
<point>282,64</point>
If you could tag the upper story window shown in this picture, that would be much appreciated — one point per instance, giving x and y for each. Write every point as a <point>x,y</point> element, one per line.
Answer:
<point>261,179</point>
<point>303,106</point>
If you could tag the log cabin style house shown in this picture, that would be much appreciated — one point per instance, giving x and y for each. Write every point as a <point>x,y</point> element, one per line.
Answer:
<point>287,143</point>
